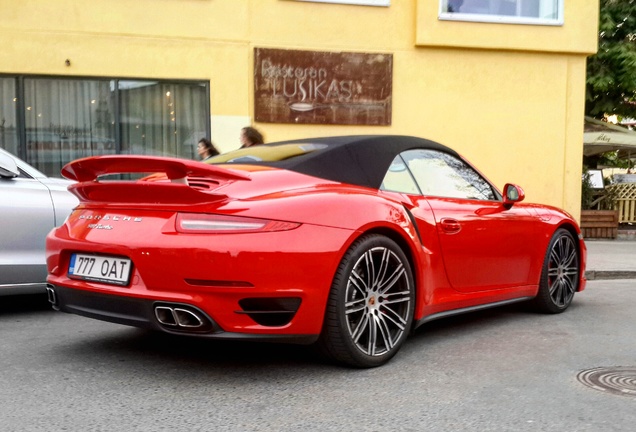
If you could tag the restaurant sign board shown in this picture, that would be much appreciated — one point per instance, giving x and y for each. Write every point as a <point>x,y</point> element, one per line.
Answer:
<point>316,87</point>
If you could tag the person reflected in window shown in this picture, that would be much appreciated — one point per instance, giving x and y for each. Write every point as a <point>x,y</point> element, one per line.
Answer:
<point>206,149</point>
<point>250,136</point>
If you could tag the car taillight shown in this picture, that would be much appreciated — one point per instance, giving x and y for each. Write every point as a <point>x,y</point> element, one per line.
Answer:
<point>221,224</point>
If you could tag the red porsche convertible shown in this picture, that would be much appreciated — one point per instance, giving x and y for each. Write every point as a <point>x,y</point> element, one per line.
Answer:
<point>348,242</point>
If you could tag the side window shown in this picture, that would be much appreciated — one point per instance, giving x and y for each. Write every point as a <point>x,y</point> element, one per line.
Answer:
<point>399,179</point>
<point>441,174</point>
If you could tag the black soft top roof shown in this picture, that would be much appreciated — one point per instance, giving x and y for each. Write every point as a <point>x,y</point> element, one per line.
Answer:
<point>361,160</point>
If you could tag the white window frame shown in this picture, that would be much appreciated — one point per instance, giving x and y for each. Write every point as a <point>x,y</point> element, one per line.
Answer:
<point>385,3</point>
<point>501,19</point>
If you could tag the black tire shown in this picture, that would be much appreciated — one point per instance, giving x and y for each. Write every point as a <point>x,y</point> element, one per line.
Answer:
<point>370,306</point>
<point>560,274</point>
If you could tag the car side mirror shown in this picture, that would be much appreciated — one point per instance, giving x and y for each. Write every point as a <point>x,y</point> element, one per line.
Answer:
<point>512,194</point>
<point>8,167</point>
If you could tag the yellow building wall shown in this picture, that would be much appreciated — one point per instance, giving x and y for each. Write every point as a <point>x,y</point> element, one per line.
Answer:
<point>508,97</point>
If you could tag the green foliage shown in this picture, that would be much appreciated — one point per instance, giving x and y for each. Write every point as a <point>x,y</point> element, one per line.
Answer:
<point>611,73</point>
<point>612,159</point>
<point>587,193</point>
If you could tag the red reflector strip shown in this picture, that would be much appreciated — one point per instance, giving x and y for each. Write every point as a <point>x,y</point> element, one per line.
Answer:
<point>219,283</point>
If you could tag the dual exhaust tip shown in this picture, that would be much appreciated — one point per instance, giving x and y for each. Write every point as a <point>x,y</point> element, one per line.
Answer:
<point>177,317</point>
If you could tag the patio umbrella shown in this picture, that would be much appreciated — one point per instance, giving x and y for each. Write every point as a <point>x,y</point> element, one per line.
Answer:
<point>600,137</point>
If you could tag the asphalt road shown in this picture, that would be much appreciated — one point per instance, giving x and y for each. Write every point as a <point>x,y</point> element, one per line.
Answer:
<point>506,369</point>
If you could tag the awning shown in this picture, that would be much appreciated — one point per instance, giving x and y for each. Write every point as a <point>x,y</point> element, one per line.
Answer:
<point>600,137</point>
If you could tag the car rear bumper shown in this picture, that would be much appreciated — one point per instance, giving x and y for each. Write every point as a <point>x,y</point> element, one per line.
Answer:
<point>145,313</point>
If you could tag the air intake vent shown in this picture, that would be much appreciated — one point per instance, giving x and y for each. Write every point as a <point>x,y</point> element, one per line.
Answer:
<point>202,183</point>
<point>270,312</point>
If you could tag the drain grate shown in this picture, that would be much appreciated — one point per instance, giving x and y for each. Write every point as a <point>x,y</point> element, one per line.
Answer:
<point>615,380</point>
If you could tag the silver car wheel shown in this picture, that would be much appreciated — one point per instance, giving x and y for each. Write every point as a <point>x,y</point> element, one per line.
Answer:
<point>369,312</point>
<point>560,273</point>
<point>377,301</point>
<point>563,271</point>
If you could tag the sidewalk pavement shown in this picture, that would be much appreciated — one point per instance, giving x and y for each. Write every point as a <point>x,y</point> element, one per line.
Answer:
<point>610,259</point>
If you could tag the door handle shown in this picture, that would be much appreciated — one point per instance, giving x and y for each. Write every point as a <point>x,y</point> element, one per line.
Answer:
<point>450,226</point>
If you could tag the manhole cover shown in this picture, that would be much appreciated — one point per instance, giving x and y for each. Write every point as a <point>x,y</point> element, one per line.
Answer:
<point>616,380</point>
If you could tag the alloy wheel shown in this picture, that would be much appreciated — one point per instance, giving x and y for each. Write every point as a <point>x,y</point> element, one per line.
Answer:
<point>377,301</point>
<point>563,271</point>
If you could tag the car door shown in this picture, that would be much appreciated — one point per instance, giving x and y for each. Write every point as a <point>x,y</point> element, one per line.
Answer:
<point>484,244</point>
<point>26,217</point>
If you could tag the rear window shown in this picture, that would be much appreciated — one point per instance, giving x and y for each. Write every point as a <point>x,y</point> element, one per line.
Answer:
<point>266,153</point>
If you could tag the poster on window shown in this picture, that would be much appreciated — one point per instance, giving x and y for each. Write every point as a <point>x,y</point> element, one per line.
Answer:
<point>316,87</point>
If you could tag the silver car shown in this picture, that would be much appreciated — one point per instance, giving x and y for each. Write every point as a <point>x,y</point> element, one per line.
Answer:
<point>31,204</point>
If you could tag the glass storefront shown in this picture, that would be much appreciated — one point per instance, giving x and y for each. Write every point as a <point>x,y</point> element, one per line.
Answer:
<point>51,121</point>
<point>8,115</point>
<point>65,120</point>
<point>163,118</point>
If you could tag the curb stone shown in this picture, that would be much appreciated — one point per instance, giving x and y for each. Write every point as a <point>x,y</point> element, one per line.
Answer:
<point>609,274</point>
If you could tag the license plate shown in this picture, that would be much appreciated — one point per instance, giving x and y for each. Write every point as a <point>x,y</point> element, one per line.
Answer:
<point>106,269</point>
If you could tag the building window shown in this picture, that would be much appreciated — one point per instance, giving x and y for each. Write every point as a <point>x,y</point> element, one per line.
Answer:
<point>67,119</point>
<point>163,118</point>
<point>8,115</point>
<point>52,121</point>
<point>541,12</point>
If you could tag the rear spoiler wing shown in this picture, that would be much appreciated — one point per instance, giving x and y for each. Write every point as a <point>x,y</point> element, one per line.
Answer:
<point>151,190</point>
<point>177,170</point>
